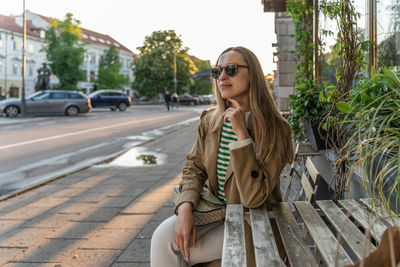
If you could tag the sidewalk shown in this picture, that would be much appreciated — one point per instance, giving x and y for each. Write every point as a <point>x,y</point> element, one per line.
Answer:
<point>101,216</point>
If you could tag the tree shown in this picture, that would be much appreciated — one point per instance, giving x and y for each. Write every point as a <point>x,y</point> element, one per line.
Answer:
<point>201,87</point>
<point>154,70</point>
<point>64,51</point>
<point>109,67</point>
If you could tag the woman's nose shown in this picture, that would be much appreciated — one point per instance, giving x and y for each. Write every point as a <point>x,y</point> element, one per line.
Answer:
<point>223,75</point>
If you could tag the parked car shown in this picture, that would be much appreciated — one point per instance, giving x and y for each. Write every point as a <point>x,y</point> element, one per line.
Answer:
<point>112,99</point>
<point>187,99</point>
<point>47,102</point>
<point>208,99</point>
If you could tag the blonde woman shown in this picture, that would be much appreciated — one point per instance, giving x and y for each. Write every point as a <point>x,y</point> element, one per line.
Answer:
<point>243,144</point>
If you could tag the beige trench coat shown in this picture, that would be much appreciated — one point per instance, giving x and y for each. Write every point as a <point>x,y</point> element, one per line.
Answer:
<point>247,182</point>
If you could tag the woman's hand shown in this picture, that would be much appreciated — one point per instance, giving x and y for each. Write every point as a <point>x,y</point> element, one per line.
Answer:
<point>238,120</point>
<point>185,229</point>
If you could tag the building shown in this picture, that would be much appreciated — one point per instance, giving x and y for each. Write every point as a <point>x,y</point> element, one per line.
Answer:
<point>11,51</point>
<point>284,55</point>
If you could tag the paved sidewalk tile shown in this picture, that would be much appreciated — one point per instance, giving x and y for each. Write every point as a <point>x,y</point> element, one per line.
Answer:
<point>101,216</point>
<point>110,239</point>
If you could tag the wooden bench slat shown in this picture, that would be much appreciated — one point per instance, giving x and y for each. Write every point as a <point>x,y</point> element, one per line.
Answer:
<point>297,250</point>
<point>363,217</point>
<point>312,170</point>
<point>308,190</point>
<point>265,249</point>
<point>234,249</point>
<point>322,236</point>
<point>353,237</point>
<point>391,220</point>
<point>306,150</point>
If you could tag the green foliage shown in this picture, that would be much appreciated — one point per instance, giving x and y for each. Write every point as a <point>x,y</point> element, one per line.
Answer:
<point>375,122</point>
<point>201,87</point>
<point>64,51</point>
<point>108,76</point>
<point>306,106</point>
<point>154,70</point>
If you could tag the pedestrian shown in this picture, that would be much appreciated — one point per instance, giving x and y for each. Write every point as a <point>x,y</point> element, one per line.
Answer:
<point>242,146</point>
<point>175,101</point>
<point>167,99</point>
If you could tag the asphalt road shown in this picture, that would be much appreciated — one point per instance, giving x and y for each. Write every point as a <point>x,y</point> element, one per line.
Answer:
<point>37,149</point>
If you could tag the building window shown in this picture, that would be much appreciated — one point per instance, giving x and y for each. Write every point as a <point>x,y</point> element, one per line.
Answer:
<point>42,34</point>
<point>92,76</point>
<point>31,48</point>
<point>30,70</point>
<point>14,44</point>
<point>1,67</point>
<point>388,33</point>
<point>1,40</point>
<point>15,69</point>
<point>93,58</point>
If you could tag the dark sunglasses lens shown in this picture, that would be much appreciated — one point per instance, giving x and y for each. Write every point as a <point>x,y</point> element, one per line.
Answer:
<point>231,70</point>
<point>215,72</point>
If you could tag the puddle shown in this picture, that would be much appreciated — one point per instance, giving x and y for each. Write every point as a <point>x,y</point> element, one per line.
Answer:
<point>139,156</point>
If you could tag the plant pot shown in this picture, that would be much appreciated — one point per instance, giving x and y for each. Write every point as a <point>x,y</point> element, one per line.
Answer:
<point>373,168</point>
<point>313,137</point>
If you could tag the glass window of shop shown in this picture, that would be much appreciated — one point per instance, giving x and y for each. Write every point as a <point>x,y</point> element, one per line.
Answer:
<point>328,31</point>
<point>388,32</point>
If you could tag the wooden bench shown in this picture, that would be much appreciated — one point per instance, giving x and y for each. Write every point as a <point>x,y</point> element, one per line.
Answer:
<point>331,236</point>
<point>302,151</point>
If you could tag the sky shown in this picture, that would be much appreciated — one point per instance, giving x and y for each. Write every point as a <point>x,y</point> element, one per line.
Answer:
<point>206,27</point>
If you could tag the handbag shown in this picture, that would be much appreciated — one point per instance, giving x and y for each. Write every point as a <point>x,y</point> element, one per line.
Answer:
<point>209,210</point>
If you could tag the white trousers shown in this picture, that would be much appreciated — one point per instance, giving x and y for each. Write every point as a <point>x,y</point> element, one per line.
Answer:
<point>164,252</point>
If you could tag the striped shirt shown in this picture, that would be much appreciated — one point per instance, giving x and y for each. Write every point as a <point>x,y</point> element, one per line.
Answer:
<point>224,156</point>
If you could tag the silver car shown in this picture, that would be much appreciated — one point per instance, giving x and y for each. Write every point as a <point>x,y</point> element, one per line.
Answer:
<point>48,102</point>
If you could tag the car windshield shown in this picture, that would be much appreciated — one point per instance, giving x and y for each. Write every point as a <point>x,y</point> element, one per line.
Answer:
<point>93,94</point>
<point>40,95</point>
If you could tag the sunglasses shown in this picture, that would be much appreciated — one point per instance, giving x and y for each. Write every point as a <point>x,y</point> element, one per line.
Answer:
<point>230,70</point>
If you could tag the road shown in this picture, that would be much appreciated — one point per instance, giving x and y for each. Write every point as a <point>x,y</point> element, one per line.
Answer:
<point>37,149</point>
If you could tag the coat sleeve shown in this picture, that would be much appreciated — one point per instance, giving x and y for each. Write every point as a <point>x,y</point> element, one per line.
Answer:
<point>255,182</point>
<point>194,174</point>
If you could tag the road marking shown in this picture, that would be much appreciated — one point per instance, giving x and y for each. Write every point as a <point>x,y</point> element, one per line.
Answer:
<point>78,133</point>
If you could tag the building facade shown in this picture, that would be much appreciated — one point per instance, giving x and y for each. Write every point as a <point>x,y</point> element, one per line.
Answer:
<point>11,52</point>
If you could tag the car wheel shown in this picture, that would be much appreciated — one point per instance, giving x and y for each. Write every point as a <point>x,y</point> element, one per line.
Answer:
<point>122,106</point>
<point>11,111</point>
<point>72,111</point>
<point>192,103</point>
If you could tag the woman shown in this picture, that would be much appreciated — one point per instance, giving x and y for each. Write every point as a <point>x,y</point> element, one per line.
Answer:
<point>243,144</point>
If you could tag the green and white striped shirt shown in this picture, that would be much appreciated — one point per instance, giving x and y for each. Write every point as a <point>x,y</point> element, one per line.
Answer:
<point>224,156</point>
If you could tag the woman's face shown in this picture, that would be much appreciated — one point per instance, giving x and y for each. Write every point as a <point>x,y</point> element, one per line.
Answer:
<point>236,87</point>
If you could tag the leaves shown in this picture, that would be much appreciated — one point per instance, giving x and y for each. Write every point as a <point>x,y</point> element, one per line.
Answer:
<point>109,67</point>
<point>64,52</point>
<point>344,107</point>
<point>154,70</point>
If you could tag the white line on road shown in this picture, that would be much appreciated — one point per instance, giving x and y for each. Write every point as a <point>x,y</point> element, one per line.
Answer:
<point>77,133</point>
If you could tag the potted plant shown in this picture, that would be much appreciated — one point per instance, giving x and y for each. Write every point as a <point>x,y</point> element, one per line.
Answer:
<point>373,114</point>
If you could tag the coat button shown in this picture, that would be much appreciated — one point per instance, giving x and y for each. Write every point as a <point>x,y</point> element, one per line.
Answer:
<point>180,188</point>
<point>254,174</point>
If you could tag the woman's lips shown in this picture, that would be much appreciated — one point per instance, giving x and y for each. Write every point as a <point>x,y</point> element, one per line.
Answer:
<point>224,86</point>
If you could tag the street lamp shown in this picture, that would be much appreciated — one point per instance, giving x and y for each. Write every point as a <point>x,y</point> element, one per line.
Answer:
<point>168,37</point>
<point>23,107</point>
<point>175,81</point>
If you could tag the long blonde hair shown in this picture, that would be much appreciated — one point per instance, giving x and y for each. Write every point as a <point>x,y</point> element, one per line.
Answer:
<point>276,140</point>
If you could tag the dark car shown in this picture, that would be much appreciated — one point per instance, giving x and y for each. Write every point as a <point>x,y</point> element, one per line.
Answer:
<point>48,102</point>
<point>112,99</point>
<point>187,99</point>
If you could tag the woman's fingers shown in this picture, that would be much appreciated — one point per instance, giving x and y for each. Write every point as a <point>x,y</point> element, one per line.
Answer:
<point>194,232</point>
